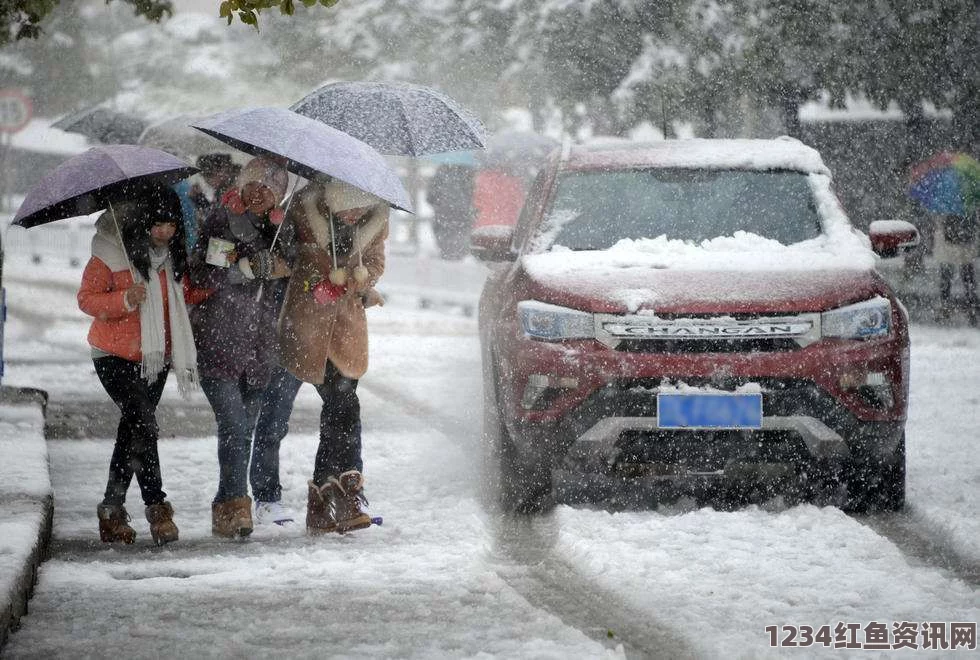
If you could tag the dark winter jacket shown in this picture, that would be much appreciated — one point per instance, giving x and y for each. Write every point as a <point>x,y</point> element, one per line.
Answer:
<point>234,332</point>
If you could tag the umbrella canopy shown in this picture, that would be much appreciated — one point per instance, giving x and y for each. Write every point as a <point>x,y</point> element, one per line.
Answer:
<point>397,119</point>
<point>516,151</point>
<point>947,183</point>
<point>103,125</point>
<point>88,182</point>
<point>176,136</point>
<point>309,147</point>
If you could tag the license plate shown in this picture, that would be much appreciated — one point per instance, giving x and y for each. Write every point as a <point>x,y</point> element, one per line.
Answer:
<point>709,411</point>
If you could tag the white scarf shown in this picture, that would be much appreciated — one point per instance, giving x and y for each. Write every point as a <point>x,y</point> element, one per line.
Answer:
<point>183,354</point>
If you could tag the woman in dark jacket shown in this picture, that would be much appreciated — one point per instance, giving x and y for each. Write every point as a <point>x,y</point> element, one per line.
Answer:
<point>235,325</point>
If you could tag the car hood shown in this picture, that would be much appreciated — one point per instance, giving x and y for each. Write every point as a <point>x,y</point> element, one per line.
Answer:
<point>718,287</point>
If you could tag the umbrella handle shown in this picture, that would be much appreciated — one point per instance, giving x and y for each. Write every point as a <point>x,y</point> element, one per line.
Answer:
<point>122,244</point>
<point>275,237</point>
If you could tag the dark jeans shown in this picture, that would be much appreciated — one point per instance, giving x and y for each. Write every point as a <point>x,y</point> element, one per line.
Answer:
<point>969,277</point>
<point>271,428</point>
<point>340,431</point>
<point>236,406</point>
<point>135,451</point>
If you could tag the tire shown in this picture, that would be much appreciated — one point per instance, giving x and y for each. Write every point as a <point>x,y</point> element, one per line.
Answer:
<point>518,485</point>
<point>877,484</point>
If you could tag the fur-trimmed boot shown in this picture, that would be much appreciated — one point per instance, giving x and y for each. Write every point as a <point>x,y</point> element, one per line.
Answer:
<point>232,518</point>
<point>321,509</point>
<point>161,519</point>
<point>114,524</point>
<point>349,498</point>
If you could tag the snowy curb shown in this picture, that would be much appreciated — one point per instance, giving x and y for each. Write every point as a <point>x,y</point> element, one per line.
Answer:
<point>26,501</point>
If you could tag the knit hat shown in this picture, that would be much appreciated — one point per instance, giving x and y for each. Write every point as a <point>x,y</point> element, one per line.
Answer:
<point>269,173</point>
<point>340,196</point>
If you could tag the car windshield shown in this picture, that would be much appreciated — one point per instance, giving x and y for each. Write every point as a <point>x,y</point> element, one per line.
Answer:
<point>594,210</point>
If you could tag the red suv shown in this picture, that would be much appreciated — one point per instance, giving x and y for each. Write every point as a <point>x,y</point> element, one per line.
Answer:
<point>693,317</point>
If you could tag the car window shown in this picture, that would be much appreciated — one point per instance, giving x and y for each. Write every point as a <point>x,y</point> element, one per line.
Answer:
<point>594,210</point>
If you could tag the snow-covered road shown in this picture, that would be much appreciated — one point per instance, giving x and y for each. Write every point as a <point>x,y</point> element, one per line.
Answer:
<point>447,577</point>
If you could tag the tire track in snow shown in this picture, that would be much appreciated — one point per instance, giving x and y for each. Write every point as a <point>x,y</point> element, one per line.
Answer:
<point>926,547</point>
<point>525,561</point>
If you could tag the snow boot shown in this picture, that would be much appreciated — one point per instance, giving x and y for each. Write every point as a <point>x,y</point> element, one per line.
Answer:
<point>321,509</point>
<point>349,498</point>
<point>114,524</point>
<point>161,519</point>
<point>232,518</point>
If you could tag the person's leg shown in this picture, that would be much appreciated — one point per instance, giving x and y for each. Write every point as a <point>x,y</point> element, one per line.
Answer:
<point>135,450</point>
<point>340,427</point>
<point>945,289</point>
<point>969,276</point>
<point>271,427</point>
<point>336,492</point>
<point>235,408</point>
<point>147,469</point>
<point>232,419</point>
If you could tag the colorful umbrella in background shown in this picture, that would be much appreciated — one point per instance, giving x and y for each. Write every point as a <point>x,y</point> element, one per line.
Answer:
<point>948,182</point>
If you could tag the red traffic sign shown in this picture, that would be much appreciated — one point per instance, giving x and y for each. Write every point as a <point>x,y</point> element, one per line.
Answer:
<point>15,110</point>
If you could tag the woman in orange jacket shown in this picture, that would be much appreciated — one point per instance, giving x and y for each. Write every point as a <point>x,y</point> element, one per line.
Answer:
<point>131,286</point>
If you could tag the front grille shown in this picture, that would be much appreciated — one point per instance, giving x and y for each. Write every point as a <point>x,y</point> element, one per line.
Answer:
<point>677,346</point>
<point>709,451</point>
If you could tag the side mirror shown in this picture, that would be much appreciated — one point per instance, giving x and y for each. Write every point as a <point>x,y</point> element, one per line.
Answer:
<point>492,243</point>
<point>889,238</point>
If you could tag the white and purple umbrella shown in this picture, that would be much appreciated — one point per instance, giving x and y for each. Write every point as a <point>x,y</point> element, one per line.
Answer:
<point>309,147</point>
<point>90,181</point>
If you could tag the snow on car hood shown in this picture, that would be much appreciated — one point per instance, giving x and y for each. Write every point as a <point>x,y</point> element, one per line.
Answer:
<point>744,272</point>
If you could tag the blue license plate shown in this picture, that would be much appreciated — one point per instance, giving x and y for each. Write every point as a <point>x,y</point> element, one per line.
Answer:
<point>709,411</point>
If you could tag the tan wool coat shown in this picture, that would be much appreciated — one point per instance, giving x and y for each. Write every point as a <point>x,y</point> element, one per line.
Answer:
<point>311,333</point>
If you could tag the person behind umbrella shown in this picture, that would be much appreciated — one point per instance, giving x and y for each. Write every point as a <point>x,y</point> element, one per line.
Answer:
<point>140,330</point>
<point>450,193</point>
<point>219,174</point>
<point>235,325</point>
<point>340,234</point>
<point>956,240</point>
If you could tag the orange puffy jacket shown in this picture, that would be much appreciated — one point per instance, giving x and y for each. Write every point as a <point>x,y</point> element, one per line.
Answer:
<point>115,329</point>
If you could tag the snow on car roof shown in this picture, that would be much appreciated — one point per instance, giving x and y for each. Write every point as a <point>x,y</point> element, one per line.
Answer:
<point>783,153</point>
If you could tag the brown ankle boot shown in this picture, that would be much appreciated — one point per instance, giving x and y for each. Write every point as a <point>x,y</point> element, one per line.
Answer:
<point>349,497</point>
<point>232,518</point>
<point>161,519</point>
<point>114,524</point>
<point>320,507</point>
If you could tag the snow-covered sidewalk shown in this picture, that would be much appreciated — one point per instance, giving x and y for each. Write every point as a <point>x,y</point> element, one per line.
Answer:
<point>25,501</point>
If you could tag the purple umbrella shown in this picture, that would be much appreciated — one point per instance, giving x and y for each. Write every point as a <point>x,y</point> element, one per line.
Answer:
<point>90,181</point>
<point>309,147</point>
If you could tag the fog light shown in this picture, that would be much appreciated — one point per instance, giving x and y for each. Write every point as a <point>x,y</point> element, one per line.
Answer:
<point>542,389</point>
<point>537,385</point>
<point>852,380</point>
<point>877,391</point>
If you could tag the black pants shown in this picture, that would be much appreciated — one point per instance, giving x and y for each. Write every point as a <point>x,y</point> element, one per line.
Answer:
<point>136,438</point>
<point>340,427</point>
<point>969,277</point>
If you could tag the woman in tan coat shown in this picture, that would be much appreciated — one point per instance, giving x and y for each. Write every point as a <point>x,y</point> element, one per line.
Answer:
<point>340,234</point>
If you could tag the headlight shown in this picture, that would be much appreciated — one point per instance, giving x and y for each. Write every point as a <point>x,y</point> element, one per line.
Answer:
<point>863,320</point>
<point>543,321</point>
